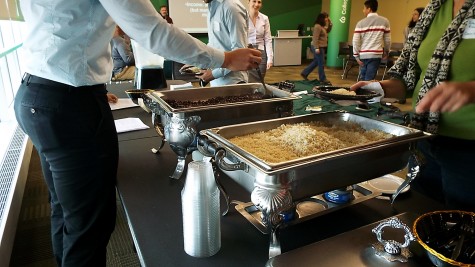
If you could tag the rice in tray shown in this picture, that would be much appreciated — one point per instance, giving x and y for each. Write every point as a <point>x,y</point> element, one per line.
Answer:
<point>342,91</point>
<point>293,141</point>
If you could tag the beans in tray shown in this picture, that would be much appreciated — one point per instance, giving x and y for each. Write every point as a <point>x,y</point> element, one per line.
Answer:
<point>216,100</point>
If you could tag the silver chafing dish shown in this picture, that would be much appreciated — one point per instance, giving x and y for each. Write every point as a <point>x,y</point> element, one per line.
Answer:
<point>179,126</point>
<point>275,188</point>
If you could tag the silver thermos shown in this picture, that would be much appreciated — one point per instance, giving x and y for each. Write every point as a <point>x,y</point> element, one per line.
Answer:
<point>201,211</point>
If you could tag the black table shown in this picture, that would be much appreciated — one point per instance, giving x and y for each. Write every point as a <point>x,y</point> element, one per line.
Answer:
<point>153,206</point>
<point>152,202</point>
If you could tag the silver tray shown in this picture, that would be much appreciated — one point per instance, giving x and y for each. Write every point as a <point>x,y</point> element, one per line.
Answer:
<point>179,126</point>
<point>279,105</point>
<point>319,173</point>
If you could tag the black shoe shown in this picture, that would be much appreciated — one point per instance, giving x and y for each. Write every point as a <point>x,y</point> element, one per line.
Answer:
<point>326,82</point>
<point>304,76</point>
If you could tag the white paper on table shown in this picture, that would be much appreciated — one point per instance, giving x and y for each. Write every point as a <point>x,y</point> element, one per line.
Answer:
<point>129,124</point>
<point>123,103</point>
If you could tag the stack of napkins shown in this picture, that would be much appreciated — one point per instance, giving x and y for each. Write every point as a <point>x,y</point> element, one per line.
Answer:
<point>129,124</point>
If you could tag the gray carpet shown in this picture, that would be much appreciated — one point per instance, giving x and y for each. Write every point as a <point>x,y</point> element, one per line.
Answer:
<point>32,247</point>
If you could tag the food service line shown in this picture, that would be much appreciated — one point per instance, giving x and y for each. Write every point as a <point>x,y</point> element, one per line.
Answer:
<point>152,202</point>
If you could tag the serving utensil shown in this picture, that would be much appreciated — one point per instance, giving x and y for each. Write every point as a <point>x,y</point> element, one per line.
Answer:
<point>258,70</point>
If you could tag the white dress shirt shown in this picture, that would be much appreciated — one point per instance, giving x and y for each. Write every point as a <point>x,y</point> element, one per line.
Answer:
<point>260,35</point>
<point>69,41</point>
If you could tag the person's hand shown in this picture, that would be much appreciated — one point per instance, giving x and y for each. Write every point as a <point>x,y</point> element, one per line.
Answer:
<point>358,85</point>
<point>111,98</point>
<point>184,67</point>
<point>447,97</point>
<point>372,86</point>
<point>317,50</point>
<point>242,59</point>
<point>359,62</point>
<point>206,76</point>
<point>269,65</point>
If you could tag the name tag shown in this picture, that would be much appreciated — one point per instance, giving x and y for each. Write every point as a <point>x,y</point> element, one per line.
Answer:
<point>469,32</point>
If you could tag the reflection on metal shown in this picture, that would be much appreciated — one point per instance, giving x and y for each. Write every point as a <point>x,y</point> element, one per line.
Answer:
<point>392,250</point>
<point>194,118</point>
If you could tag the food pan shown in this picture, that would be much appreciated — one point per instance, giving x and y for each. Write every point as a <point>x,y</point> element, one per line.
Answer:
<point>179,125</point>
<point>314,174</point>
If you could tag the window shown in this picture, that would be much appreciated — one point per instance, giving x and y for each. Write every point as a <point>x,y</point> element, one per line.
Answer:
<point>12,33</point>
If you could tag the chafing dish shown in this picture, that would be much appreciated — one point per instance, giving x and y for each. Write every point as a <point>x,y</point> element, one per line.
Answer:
<point>179,126</point>
<point>276,187</point>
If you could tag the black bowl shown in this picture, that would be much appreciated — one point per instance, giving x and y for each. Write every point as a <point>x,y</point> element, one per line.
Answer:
<point>437,232</point>
<point>361,94</point>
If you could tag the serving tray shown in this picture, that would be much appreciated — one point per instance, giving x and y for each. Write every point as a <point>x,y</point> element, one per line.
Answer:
<point>326,92</point>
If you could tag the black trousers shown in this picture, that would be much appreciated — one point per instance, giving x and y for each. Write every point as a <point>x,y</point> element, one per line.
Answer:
<point>73,130</point>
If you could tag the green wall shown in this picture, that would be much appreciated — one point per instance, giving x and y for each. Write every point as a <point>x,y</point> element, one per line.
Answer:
<point>158,3</point>
<point>281,17</point>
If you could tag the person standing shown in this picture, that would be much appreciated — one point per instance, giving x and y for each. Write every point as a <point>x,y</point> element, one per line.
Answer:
<point>371,41</point>
<point>319,46</point>
<point>122,57</point>
<point>227,31</point>
<point>436,65</point>
<point>165,15</point>
<point>260,38</point>
<point>62,105</point>
<point>415,17</point>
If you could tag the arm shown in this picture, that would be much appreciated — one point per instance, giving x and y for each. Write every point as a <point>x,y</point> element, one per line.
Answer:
<point>357,44</point>
<point>268,42</point>
<point>387,40</point>
<point>393,88</point>
<point>141,21</point>
<point>447,97</point>
<point>317,30</point>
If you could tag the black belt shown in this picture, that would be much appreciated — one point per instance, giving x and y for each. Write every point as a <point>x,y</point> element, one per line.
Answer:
<point>29,78</point>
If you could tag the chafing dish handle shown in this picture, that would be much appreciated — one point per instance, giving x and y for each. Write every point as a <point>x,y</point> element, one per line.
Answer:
<point>207,147</point>
<point>211,149</point>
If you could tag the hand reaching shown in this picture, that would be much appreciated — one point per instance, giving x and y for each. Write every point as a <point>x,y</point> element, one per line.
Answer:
<point>242,59</point>
<point>447,97</point>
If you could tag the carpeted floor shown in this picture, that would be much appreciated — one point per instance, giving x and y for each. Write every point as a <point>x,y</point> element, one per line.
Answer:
<point>32,247</point>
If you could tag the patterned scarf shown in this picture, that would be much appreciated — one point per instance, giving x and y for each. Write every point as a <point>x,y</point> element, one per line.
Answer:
<point>407,69</point>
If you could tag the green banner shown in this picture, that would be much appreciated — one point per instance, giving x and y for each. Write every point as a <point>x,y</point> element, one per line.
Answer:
<point>340,11</point>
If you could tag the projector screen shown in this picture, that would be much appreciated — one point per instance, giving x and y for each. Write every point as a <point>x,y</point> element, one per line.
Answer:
<point>190,15</point>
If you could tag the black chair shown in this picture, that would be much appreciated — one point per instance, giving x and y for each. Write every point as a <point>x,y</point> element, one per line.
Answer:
<point>394,53</point>
<point>343,52</point>
<point>350,63</point>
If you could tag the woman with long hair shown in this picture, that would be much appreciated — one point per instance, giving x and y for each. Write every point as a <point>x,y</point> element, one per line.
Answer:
<point>260,37</point>
<point>319,48</point>
<point>415,17</point>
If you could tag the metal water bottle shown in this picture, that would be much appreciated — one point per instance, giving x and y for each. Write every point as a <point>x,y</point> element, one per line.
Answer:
<point>201,211</point>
